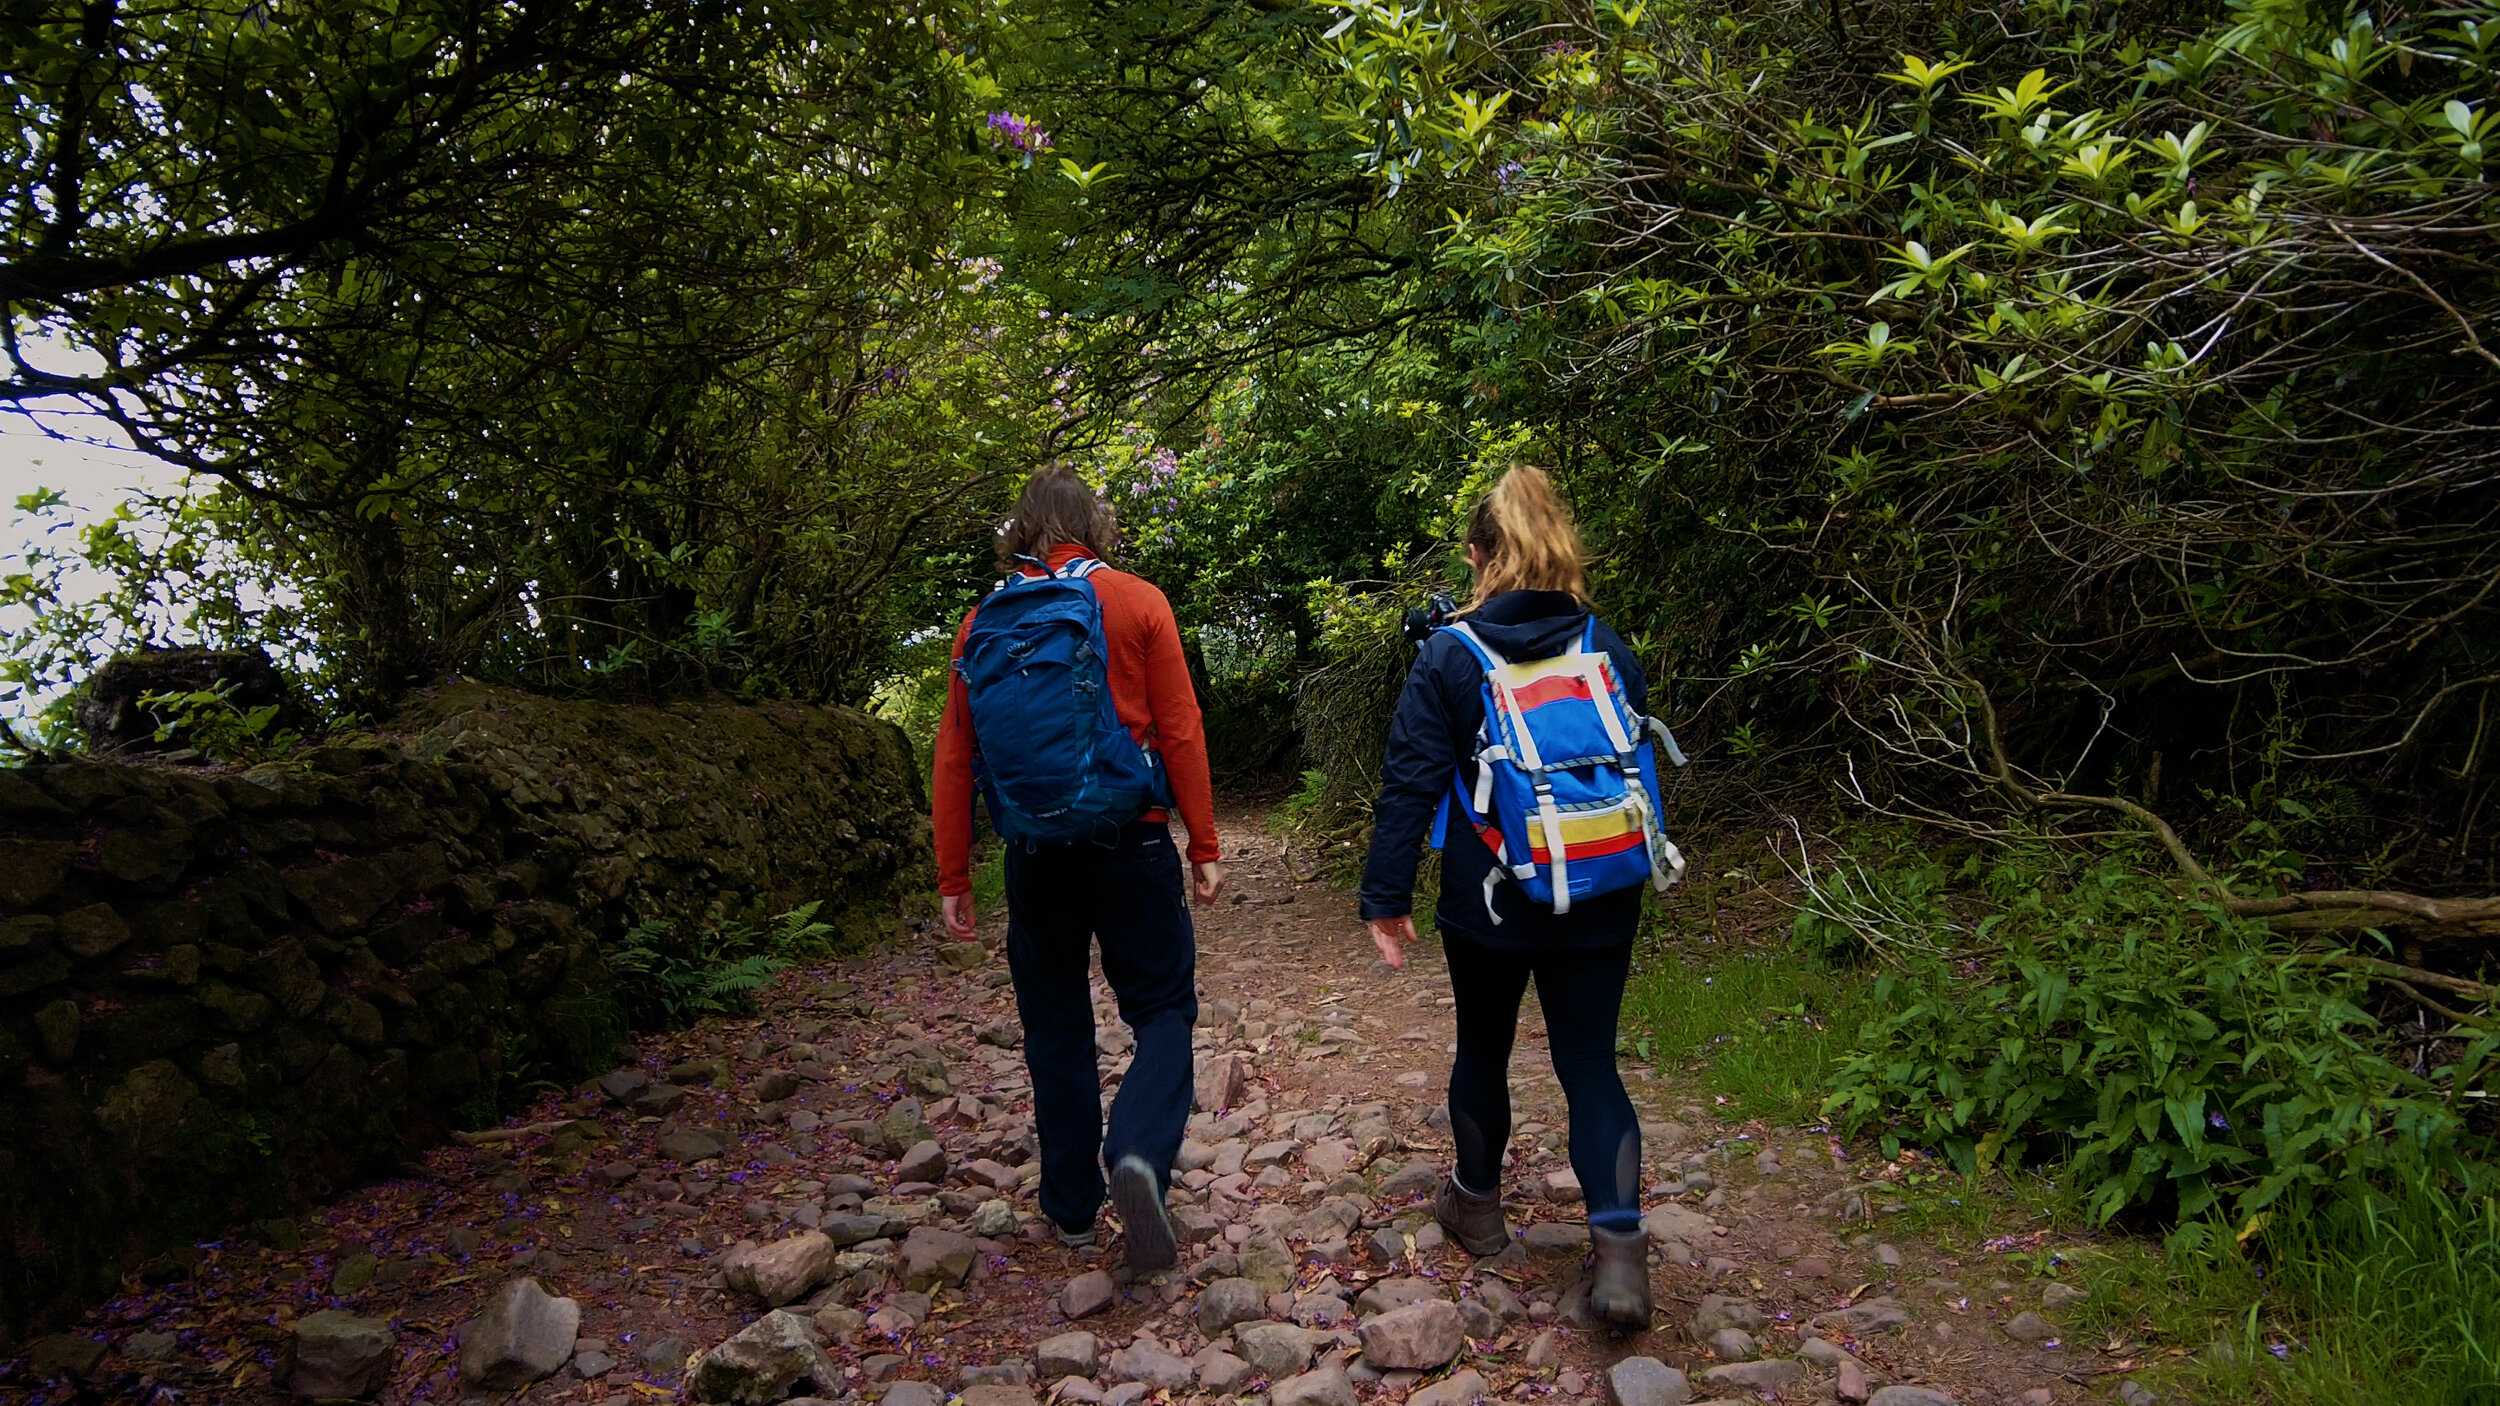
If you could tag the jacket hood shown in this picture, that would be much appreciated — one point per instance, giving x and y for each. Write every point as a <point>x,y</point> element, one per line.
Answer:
<point>1529,624</point>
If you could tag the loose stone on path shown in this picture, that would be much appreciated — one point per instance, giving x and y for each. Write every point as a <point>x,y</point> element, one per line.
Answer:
<point>524,1334</point>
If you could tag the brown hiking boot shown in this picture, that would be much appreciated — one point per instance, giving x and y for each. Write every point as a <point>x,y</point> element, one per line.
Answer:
<point>1472,1220</point>
<point>1620,1294</point>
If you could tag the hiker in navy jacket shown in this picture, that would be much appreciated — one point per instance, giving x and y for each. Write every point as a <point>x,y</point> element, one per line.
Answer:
<point>1530,602</point>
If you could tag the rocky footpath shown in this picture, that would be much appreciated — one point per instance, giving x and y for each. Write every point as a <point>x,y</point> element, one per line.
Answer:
<point>834,1202</point>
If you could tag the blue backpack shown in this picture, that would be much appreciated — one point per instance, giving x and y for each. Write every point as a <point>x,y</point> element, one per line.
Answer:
<point>1053,759</point>
<point>1566,791</point>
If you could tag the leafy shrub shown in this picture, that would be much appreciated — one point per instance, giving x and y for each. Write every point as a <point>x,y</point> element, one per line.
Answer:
<point>2163,1048</point>
<point>672,975</point>
<point>210,720</point>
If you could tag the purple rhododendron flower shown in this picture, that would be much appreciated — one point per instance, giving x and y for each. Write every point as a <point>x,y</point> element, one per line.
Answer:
<point>1013,133</point>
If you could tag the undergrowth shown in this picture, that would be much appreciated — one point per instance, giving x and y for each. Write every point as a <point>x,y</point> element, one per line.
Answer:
<point>2051,1047</point>
<point>671,974</point>
<point>1765,1031</point>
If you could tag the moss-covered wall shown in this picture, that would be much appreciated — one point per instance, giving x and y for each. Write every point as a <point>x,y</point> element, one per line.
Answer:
<point>223,993</point>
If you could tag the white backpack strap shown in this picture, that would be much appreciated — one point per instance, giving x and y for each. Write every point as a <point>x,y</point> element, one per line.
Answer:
<point>1590,663</point>
<point>1486,654</point>
<point>1555,860</point>
<point>1525,753</point>
<point>1592,671</point>
<point>1666,740</point>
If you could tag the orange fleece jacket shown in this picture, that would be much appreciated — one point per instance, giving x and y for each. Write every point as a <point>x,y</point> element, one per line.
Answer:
<point>1150,689</point>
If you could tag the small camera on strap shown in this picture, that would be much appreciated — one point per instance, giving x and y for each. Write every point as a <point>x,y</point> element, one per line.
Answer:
<point>1420,621</point>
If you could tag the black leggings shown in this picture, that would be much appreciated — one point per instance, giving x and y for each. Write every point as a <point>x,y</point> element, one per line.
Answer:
<point>1581,991</point>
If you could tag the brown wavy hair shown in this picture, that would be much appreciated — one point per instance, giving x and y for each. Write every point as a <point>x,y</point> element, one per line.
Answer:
<point>1528,539</point>
<point>1055,507</point>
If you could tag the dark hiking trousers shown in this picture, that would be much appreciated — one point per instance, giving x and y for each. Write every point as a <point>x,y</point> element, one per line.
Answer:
<point>1061,899</point>
<point>1581,990</point>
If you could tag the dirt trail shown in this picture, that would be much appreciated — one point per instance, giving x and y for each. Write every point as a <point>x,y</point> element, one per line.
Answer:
<point>1313,1181</point>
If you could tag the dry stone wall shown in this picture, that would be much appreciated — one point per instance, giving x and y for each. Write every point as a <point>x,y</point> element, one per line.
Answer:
<point>224,993</point>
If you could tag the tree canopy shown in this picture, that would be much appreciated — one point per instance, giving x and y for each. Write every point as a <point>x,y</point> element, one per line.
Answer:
<point>1988,409</point>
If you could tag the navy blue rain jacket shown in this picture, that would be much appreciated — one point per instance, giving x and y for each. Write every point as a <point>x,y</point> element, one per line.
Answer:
<point>1437,719</point>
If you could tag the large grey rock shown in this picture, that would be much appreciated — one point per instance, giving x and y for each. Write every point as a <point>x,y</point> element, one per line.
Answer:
<point>690,1145</point>
<point>1718,1311</point>
<point>1413,1179</point>
<point>1320,1310</point>
<point>2029,1327</point>
<point>898,1132</point>
<point>932,1257</point>
<point>1462,1388</point>
<point>1421,1335</point>
<point>781,1271</point>
<point>1221,1081</point>
<point>1278,1350</point>
<point>913,1393</point>
<point>1328,1386</point>
<point>1772,1374</point>
<point>998,1384</point>
<point>923,1161</point>
<point>1674,1222</point>
<point>1146,1361</point>
<point>1500,1298</point>
<point>1087,1294</point>
<point>851,1230</point>
<point>1398,1293</point>
<point>151,1347</point>
<point>340,1355</point>
<point>622,1084</point>
<point>1822,1352</point>
<point>1227,1302</point>
<point>771,1360</point>
<point>1555,1239</point>
<point>1224,1374</point>
<point>1733,1345</point>
<point>524,1333</point>
<point>1903,1394</point>
<point>1077,1354</point>
<point>1644,1381</point>
<point>1864,1318</point>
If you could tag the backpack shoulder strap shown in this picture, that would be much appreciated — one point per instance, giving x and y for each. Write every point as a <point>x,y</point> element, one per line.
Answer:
<point>1486,654</point>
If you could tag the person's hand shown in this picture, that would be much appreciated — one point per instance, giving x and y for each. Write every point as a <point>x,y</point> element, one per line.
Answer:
<point>1206,881</point>
<point>960,917</point>
<point>1391,935</point>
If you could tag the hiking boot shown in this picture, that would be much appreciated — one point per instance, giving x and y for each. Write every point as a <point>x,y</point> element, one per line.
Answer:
<point>1472,1220</point>
<point>1073,1239</point>
<point>1620,1294</point>
<point>1139,1199</point>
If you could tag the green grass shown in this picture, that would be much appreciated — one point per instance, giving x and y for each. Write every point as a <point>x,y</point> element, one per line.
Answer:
<point>2398,1300</point>
<point>1763,1031</point>
<point>2342,1304</point>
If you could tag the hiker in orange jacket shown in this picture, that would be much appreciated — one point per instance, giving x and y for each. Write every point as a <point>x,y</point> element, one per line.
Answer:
<point>1122,888</point>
